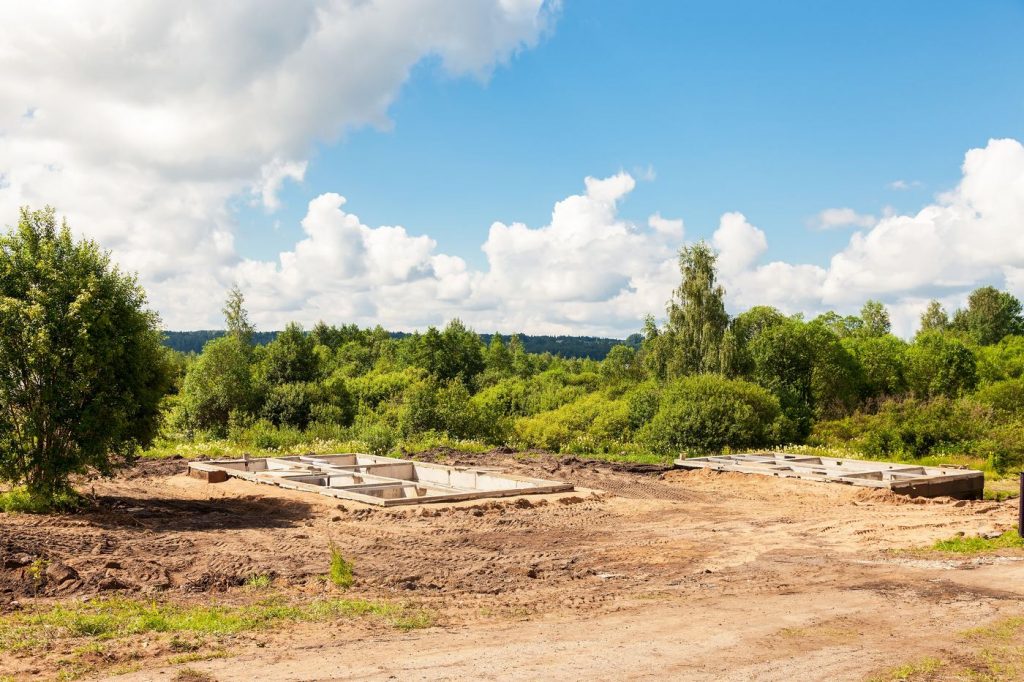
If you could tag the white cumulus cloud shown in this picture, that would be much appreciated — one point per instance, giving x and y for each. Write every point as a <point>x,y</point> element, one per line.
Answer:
<point>141,121</point>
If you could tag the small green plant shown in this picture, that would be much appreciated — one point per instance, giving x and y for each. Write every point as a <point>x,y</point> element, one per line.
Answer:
<point>37,573</point>
<point>259,582</point>
<point>975,544</point>
<point>341,570</point>
<point>21,501</point>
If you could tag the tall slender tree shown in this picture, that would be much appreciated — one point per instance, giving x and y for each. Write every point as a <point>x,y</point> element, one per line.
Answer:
<point>697,320</point>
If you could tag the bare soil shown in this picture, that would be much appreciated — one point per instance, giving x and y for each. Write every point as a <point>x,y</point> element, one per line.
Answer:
<point>641,573</point>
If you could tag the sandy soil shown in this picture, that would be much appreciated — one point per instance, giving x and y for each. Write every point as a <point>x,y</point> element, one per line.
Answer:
<point>693,575</point>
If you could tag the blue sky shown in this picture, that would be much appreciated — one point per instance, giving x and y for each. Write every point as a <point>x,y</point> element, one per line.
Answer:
<point>405,162</point>
<point>778,110</point>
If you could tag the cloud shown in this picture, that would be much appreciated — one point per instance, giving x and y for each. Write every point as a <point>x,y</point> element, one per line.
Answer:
<point>272,176</point>
<point>739,244</point>
<point>145,122</point>
<point>142,122</point>
<point>903,185</point>
<point>673,229</point>
<point>841,217</point>
<point>586,270</point>
<point>969,237</point>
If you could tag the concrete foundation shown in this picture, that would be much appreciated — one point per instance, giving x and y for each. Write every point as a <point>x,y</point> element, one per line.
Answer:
<point>914,481</point>
<point>376,480</point>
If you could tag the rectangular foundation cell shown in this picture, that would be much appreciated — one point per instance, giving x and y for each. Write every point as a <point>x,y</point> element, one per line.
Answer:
<point>383,481</point>
<point>904,479</point>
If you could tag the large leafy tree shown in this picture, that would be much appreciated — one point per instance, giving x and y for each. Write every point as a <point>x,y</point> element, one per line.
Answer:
<point>939,364</point>
<point>81,367</point>
<point>990,315</point>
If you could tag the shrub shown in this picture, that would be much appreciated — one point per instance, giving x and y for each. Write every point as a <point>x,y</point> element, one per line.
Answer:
<point>707,413</point>
<point>601,422</point>
<point>265,435</point>
<point>380,438</point>
<point>643,401</point>
<point>1005,396</point>
<point>20,500</point>
<point>82,372</point>
<point>290,404</point>
<point>940,364</point>
<point>912,428</point>
<point>218,383</point>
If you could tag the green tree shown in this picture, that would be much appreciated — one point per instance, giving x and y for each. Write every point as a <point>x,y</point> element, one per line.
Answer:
<point>289,358</point>
<point>696,315</point>
<point>81,366</point>
<point>621,364</point>
<point>455,352</point>
<point>499,360</point>
<point>218,384</point>
<point>783,361</point>
<point>990,315</point>
<point>836,377</point>
<point>939,364</point>
<point>883,362</point>
<point>875,318</point>
<point>744,328</point>
<point>521,360</point>
<point>843,327</point>
<point>934,318</point>
<point>236,317</point>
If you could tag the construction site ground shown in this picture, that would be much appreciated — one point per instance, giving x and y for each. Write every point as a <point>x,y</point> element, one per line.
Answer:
<point>641,573</point>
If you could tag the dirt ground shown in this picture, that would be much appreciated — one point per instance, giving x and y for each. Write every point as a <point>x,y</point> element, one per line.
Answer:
<point>640,573</point>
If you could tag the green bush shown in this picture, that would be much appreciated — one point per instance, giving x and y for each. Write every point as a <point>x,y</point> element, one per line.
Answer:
<point>643,402</point>
<point>218,383</point>
<point>940,364</point>
<point>370,390</point>
<point>380,438</point>
<point>20,500</point>
<point>290,404</point>
<point>1005,396</point>
<point>265,435</point>
<point>910,429</point>
<point>707,413</point>
<point>603,421</point>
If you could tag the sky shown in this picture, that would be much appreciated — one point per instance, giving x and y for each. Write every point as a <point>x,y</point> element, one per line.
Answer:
<point>524,165</point>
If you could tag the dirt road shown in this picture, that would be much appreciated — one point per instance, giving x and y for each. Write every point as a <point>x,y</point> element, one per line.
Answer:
<point>671,575</point>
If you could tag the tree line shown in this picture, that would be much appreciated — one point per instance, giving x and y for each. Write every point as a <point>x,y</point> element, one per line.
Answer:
<point>593,347</point>
<point>85,382</point>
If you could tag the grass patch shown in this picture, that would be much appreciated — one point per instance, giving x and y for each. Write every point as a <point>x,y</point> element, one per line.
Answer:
<point>165,448</point>
<point>193,675</point>
<point>21,501</point>
<point>989,653</point>
<point>259,582</point>
<point>976,544</point>
<point>918,670</point>
<point>104,619</point>
<point>341,570</point>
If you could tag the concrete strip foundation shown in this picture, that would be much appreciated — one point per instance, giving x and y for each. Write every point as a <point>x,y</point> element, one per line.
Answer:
<point>914,481</point>
<point>375,480</point>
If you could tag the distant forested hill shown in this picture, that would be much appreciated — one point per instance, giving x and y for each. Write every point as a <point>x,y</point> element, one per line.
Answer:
<point>593,347</point>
